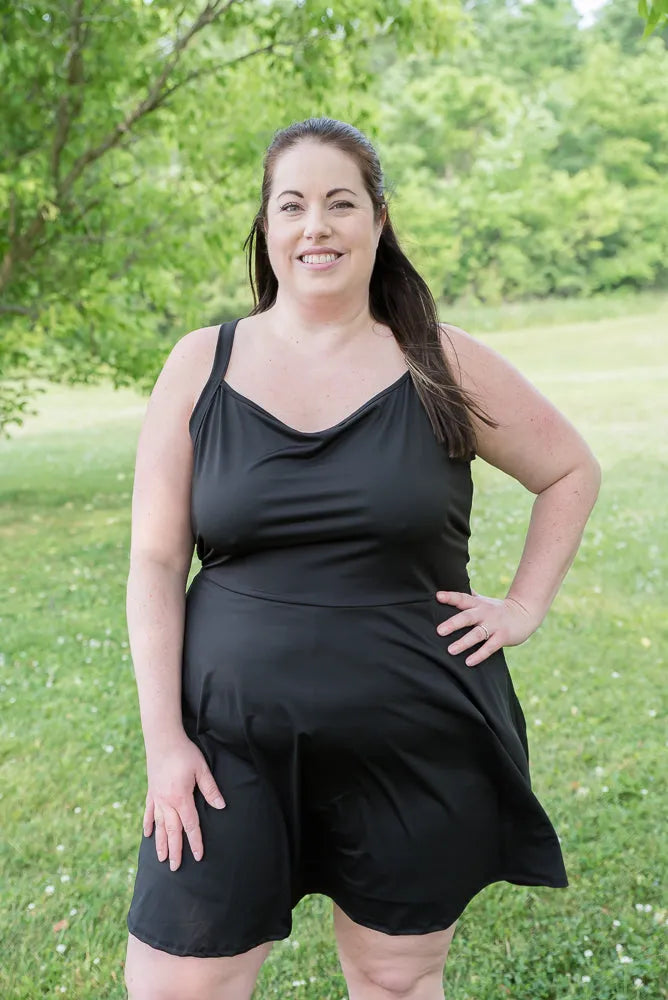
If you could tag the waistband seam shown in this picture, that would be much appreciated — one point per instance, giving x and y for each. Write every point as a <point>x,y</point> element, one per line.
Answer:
<point>286,600</point>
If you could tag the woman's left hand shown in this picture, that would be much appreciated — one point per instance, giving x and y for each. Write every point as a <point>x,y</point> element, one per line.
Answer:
<point>508,623</point>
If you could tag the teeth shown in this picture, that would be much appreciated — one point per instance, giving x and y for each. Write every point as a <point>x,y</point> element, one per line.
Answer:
<point>323,258</point>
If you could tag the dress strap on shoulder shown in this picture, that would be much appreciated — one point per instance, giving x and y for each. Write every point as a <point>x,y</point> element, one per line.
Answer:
<point>220,360</point>
<point>223,351</point>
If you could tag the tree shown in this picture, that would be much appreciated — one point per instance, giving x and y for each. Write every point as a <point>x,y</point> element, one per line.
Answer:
<point>129,170</point>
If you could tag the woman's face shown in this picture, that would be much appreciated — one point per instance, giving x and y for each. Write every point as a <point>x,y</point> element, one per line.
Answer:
<point>317,204</point>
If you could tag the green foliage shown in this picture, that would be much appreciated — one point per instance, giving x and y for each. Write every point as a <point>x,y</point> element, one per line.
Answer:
<point>524,157</point>
<point>511,185</point>
<point>655,12</point>
<point>132,138</point>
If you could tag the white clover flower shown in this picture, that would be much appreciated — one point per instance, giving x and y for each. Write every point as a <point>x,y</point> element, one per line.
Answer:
<point>616,923</point>
<point>60,847</point>
<point>538,722</point>
<point>61,948</point>
<point>31,906</point>
<point>107,747</point>
<point>588,953</point>
<point>299,982</point>
<point>73,911</point>
<point>625,959</point>
<point>64,878</point>
<point>643,791</point>
<point>49,890</point>
<point>638,981</point>
<point>564,687</point>
<point>586,979</point>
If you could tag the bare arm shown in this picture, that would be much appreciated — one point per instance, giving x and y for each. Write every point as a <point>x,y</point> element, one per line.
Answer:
<point>160,556</point>
<point>162,545</point>
<point>155,615</point>
<point>537,445</point>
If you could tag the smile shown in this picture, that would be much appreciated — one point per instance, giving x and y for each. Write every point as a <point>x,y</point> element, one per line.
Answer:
<point>320,261</point>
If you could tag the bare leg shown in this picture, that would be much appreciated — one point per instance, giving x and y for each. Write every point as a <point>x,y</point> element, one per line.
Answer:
<point>380,966</point>
<point>151,974</point>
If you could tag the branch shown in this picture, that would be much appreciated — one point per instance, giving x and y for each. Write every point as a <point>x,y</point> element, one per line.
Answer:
<point>24,245</point>
<point>18,310</point>
<point>211,13</point>
<point>71,101</point>
<point>204,71</point>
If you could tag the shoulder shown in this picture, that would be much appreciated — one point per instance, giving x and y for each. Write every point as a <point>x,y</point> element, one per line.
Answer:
<point>188,366</point>
<point>194,348</point>
<point>534,442</point>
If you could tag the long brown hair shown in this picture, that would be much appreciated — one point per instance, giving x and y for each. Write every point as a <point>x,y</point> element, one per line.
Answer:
<point>398,296</point>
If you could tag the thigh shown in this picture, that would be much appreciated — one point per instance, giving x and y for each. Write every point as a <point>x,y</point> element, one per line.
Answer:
<point>151,974</point>
<point>393,962</point>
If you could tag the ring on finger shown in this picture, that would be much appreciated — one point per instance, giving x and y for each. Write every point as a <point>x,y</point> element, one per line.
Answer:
<point>486,630</point>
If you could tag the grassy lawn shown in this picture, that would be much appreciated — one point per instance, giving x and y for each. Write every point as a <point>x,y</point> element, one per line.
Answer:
<point>591,681</point>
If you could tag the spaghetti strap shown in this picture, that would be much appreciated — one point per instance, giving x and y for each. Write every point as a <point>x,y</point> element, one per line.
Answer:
<point>220,361</point>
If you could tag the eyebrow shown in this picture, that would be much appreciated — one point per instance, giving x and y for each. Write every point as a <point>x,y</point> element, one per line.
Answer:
<point>328,195</point>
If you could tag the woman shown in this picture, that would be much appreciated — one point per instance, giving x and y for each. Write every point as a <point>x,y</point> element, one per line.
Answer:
<point>330,673</point>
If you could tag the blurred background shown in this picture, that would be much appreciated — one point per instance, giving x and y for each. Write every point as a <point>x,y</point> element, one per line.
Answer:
<point>525,150</point>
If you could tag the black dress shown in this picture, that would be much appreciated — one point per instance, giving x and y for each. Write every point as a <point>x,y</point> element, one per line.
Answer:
<point>357,756</point>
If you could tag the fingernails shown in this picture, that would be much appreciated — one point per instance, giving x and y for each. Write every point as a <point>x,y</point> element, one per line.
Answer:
<point>196,855</point>
<point>219,802</point>
<point>172,864</point>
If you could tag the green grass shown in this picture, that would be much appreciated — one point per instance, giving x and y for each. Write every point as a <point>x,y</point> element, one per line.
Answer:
<point>591,682</point>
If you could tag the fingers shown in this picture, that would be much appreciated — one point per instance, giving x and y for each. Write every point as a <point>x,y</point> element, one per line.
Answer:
<point>456,598</point>
<point>209,788</point>
<point>172,821</point>
<point>474,636</point>
<point>193,831</point>
<point>467,617</point>
<point>462,620</point>
<point>169,828</point>
<point>489,647</point>
<point>174,831</point>
<point>161,843</point>
<point>147,821</point>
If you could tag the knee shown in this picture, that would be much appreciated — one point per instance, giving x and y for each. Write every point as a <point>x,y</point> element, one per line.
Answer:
<point>393,979</point>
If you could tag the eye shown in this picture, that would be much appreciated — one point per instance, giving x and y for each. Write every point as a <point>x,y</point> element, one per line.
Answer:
<point>290,204</point>
<point>345,204</point>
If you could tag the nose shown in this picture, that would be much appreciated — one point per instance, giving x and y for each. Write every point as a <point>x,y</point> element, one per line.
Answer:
<point>316,222</point>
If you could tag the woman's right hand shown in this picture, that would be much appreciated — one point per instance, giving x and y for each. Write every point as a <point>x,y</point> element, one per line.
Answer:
<point>172,774</point>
